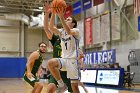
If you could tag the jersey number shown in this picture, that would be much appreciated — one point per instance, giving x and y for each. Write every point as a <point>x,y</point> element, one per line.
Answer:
<point>59,53</point>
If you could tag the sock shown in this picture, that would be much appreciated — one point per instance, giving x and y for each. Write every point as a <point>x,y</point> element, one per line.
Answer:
<point>60,83</point>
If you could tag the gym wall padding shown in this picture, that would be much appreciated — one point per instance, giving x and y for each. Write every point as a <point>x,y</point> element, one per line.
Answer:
<point>12,67</point>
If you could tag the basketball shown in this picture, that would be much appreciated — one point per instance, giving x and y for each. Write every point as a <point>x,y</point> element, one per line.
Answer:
<point>58,6</point>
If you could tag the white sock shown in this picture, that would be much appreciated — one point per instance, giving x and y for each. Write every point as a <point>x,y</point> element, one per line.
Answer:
<point>60,83</point>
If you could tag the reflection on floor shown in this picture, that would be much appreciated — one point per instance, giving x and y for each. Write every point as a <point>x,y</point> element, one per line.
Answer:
<point>19,86</point>
<point>110,90</point>
<point>97,90</point>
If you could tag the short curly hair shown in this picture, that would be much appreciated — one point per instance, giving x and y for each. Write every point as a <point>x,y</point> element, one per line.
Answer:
<point>42,43</point>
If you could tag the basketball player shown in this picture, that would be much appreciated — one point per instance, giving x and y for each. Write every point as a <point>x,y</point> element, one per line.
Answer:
<point>33,64</point>
<point>69,42</point>
<point>55,41</point>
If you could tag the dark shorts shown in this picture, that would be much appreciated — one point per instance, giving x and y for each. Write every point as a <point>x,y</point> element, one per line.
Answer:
<point>32,83</point>
<point>64,78</point>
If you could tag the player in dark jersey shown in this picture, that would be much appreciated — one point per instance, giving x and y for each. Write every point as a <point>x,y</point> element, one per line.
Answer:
<point>34,61</point>
<point>55,41</point>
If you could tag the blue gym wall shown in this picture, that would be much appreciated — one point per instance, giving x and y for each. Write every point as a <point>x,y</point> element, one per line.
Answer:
<point>12,67</point>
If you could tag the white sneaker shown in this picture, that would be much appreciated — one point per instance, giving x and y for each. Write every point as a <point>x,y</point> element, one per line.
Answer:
<point>61,89</point>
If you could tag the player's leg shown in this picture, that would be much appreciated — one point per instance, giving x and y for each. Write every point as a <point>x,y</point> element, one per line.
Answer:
<point>82,85</point>
<point>38,86</point>
<point>51,88</point>
<point>72,66</point>
<point>74,85</point>
<point>54,65</point>
<point>52,85</point>
<point>34,89</point>
<point>32,83</point>
<point>66,80</point>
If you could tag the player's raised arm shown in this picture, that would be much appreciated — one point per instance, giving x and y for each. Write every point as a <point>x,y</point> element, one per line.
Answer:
<point>69,24</point>
<point>46,19</point>
<point>52,27</point>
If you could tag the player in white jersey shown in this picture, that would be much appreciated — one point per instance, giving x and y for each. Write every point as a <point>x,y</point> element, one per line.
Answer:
<point>69,43</point>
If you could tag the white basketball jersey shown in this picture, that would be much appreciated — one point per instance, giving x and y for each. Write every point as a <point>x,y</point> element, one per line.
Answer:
<point>69,44</point>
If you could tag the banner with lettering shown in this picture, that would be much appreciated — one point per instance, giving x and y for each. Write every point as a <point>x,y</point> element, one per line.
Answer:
<point>86,4</point>
<point>76,8</point>
<point>100,57</point>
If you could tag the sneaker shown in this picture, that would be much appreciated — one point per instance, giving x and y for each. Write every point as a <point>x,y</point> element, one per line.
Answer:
<point>61,89</point>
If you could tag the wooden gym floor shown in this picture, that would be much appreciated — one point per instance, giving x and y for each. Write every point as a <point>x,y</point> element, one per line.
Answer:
<point>19,86</point>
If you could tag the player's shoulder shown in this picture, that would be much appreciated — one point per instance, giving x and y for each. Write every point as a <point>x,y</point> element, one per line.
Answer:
<point>60,30</point>
<point>75,29</point>
<point>36,53</point>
